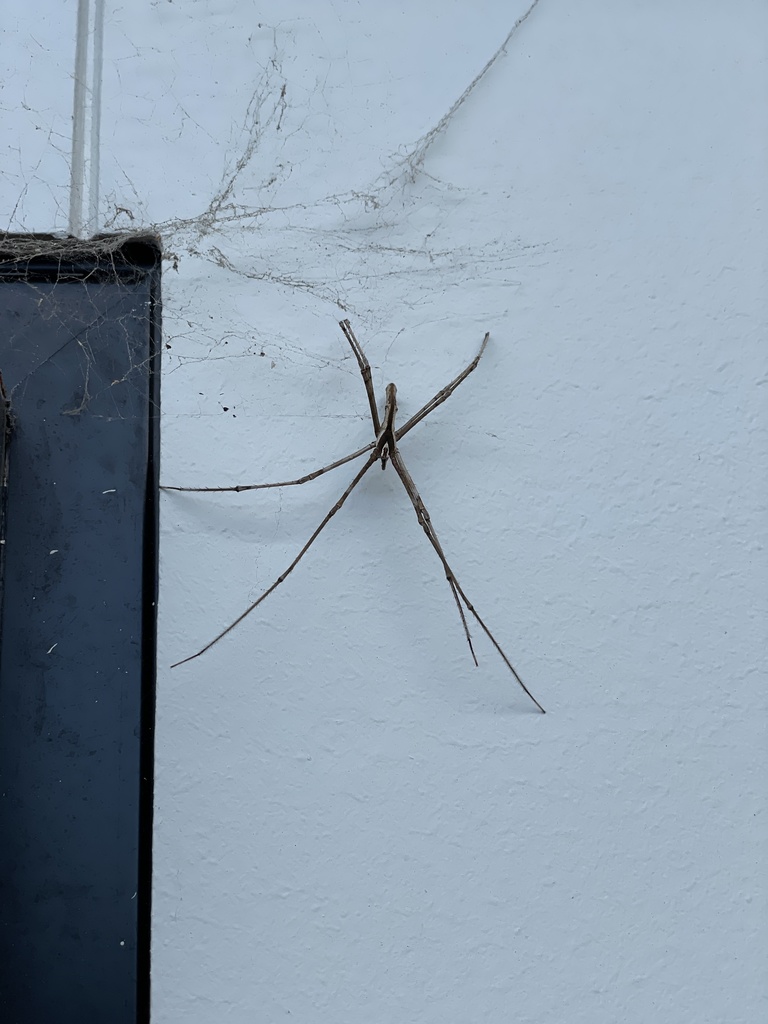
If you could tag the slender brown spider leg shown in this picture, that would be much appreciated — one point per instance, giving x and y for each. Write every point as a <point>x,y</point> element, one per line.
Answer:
<point>441,395</point>
<point>369,462</point>
<point>282,483</point>
<point>423,517</point>
<point>496,644</point>
<point>365,370</point>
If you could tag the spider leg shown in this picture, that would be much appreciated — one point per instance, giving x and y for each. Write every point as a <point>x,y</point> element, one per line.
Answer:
<point>361,473</point>
<point>365,370</point>
<point>405,476</point>
<point>282,483</point>
<point>441,396</point>
<point>496,644</point>
<point>423,517</point>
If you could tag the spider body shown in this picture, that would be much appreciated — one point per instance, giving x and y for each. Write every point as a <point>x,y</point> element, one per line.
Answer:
<point>383,449</point>
<point>386,442</point>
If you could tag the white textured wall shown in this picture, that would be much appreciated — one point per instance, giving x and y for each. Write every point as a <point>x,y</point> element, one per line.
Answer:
<point>355,825</point>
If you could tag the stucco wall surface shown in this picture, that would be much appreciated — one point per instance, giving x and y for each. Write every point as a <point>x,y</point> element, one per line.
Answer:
<point>354,825</point>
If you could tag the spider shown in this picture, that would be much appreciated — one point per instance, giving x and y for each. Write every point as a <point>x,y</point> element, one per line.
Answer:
<point>384,449</point>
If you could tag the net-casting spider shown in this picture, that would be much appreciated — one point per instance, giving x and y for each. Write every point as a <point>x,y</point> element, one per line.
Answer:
<point>384,448</point>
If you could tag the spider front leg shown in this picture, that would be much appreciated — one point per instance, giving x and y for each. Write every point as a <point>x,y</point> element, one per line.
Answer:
<point>444,393</point>
<point>365,370</point>
<point>282,483</point>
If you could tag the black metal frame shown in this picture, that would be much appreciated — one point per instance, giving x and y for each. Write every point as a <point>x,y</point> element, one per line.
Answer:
<point>59,945</point>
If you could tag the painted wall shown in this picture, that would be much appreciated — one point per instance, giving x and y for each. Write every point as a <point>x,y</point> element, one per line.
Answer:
<point>353,823</point>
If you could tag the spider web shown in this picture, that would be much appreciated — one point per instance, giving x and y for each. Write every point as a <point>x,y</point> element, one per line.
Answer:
<point>265,228</point>
<point>392,243</point>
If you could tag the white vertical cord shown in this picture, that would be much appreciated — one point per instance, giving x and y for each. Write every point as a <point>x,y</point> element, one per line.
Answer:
<point>77,165</point>
<point>86,120</point>
<point>98,69</point>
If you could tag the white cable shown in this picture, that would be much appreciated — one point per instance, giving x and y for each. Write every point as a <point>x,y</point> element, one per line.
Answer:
<point>86,120</point>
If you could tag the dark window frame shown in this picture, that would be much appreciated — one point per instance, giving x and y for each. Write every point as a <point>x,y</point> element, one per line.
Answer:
<point>132,264</point>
